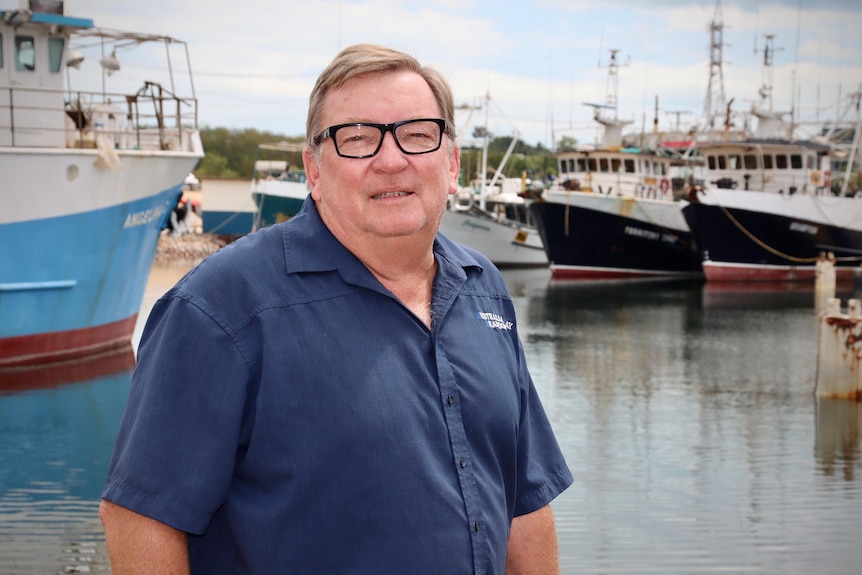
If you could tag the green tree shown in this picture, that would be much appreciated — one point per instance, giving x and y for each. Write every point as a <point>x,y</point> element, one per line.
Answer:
<point>567,143</point>
<point>231,153</point>
<point>214,165</point>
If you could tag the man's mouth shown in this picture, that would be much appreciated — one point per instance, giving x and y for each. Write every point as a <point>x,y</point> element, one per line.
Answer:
<point>385,195</point>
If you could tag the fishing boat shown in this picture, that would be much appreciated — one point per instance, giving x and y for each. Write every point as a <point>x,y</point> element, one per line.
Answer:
<point>616,211</point>
<point>90,177</point>
<point>277,189</point>
<point>615,215</point>
<point>492,216</point>
<point>768,212</point>
<point>494,220</point>
<point>769,209</point>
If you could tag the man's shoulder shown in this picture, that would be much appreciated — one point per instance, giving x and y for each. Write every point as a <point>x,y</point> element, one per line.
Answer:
<point>238,277</point>
<point>246,256</point>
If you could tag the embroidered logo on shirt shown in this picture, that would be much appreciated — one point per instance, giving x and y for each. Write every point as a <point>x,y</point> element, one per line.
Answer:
<point>494,320</point>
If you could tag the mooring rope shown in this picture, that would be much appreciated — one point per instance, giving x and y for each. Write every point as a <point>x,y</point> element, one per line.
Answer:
<point>772,250</point>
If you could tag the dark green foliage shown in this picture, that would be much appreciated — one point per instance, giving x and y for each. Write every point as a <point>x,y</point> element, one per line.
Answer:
<point>231,153</point>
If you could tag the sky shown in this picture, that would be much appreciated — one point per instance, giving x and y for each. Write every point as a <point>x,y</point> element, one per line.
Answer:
<point>535,63</point>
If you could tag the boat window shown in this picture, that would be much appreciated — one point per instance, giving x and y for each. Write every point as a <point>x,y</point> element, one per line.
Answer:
<point>1,50</point>
<point>55,53</point>
<point>812,164</point>
<point>591,163</point>
<point>616,163</point>
<point>647,167</point>
<point>630,166</point>
<point>582,165</point>
<point>734,162</point>
<point>663,169</point>
<point>750,161</point>
<point>564,166</point>
<point>25,53</point>
<point>781,161</point>
<point>796,161</point>
<point>722,162</point>
<point>767,161</point>
<point>603,164</point>
<point>711,161</point>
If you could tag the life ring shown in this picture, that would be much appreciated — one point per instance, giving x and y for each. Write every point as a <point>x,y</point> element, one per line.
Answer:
<point>664,185</point>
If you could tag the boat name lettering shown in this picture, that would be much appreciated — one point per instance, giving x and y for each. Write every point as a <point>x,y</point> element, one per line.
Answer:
<point>805,228</point>
<point>494,321</point>
<point>650,235</point>
<point>144,217</point>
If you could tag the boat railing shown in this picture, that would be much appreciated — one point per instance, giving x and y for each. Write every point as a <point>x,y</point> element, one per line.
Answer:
<point>151,119</point>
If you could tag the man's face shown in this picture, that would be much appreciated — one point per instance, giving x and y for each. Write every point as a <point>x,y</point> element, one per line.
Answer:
<point>392,194</point>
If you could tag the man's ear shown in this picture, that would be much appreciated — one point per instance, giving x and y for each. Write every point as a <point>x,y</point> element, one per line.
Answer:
<point>312,171</point>
<point>454,169</point>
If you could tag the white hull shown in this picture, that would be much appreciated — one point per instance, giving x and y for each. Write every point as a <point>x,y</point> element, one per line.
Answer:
<point>826,209</point>
<point>658,212</point>
<point>504,243</point>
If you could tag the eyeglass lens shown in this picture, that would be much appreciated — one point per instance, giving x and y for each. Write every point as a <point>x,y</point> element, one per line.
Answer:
<point>416,137</point>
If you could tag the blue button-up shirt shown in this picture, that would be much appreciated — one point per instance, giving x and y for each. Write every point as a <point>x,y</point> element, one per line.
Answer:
<point>289,412</point>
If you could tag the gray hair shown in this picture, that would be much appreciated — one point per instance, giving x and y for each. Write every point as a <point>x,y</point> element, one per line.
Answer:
<point>362,59</point>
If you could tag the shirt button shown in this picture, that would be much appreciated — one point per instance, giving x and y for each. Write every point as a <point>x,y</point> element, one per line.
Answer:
<point>450,400</point>
<point>463,463</point>
<point>476,526</point>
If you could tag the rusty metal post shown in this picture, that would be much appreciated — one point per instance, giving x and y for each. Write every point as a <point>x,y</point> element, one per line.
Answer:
<point>839,353</point>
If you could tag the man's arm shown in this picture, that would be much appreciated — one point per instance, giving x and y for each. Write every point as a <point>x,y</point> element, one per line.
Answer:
<point>138,545</point>
<point>533,544</point>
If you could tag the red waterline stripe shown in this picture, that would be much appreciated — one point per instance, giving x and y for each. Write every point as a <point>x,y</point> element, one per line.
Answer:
<point>56,374</point>
<point>63,345</point>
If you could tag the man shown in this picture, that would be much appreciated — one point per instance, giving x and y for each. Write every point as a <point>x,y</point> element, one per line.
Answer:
<point>352,394</point>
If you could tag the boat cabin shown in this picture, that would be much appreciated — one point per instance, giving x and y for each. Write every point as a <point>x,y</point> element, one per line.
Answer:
<point>778,166</point>
<point>33,56</point>
<point>625,171</point>
<point>39,107</point>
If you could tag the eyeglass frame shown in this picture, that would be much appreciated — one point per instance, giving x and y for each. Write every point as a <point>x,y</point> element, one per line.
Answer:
<point>329,133</point>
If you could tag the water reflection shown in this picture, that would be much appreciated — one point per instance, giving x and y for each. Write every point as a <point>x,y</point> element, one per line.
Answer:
<point>688,415</point>
<point>57,428</point>
<point>839,428</point>
<point>686,411</point>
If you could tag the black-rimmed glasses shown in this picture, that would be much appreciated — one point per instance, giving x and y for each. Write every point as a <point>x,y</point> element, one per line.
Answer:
<point>364,140</point>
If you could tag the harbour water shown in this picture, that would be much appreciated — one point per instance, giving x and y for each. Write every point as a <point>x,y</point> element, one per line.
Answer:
<point>686,412</point>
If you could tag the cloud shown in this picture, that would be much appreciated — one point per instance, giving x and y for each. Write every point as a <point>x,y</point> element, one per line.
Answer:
<point>255,62</point>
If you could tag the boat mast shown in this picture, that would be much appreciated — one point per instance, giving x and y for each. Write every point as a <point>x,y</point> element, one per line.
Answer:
<point>485,137</point>
<point>714,103</point>
<point>612,128</point>
<point>854,147</point>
